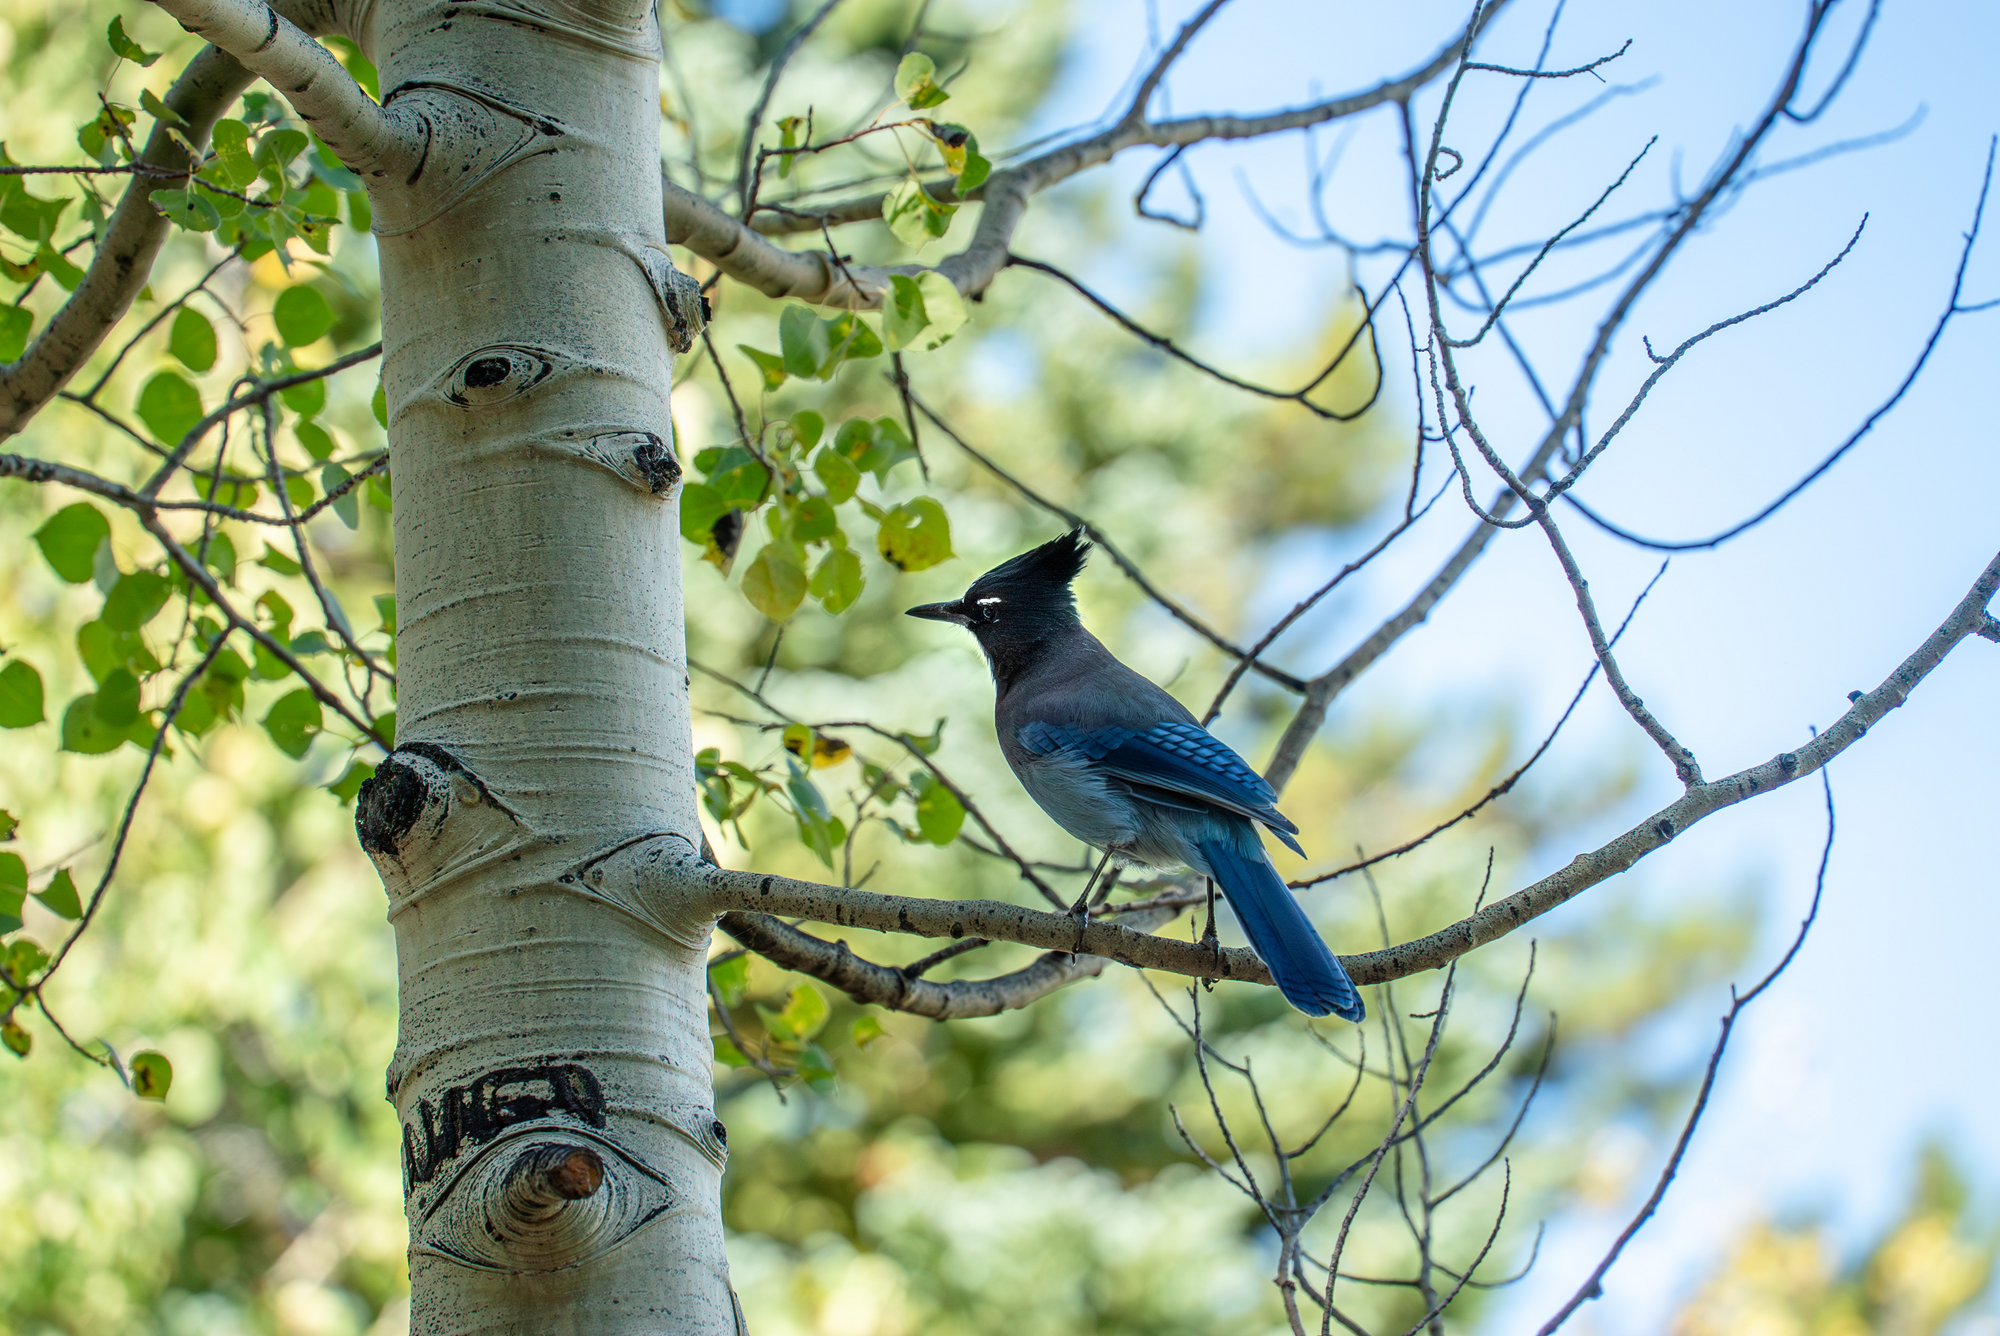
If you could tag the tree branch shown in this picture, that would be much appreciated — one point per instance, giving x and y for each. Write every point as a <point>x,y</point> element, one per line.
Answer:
<point>123,261</point>
<point>742,251</point>
<point>371,139</point>
<point>725,889</point>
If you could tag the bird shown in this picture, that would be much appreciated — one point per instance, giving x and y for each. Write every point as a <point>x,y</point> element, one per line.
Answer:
<point>1120,764</point>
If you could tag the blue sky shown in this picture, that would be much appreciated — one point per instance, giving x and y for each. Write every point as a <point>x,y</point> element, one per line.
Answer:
<point>1879,1036</point>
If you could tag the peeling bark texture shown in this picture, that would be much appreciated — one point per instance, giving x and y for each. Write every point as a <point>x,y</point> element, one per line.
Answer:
<point>562,1160</point>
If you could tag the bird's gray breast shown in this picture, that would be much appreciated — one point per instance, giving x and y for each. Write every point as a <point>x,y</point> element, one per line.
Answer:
<point>1080,798</point>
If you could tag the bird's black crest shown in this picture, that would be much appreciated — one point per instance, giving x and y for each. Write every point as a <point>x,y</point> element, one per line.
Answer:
<point>1046,569</point>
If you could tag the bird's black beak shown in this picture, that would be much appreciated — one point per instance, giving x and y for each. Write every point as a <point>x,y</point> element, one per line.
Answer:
<point>943,612</point>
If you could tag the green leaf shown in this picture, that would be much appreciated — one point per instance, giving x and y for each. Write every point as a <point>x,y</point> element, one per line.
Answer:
<point>806,428</point>
<point>9,823</point>
<point>942,304</point>
<point>315,438</point>
<point>69,539</point>
<point>813,520</point>
<point>836,473</point>
<point>701,507</point>
<point>816,1066</point>
<point>775,583</point>
<point>976,170</point>
<point>939,813</point>
<point>383,726</point>
<point>350,781</point>
<point>803,339</point>
<point>915,535</point>
<point>152,1075</point>
<point>837,581</point>
<point>305,398</point>
<point>852,340</point>
<point>301,313</point>
<point>192,339</point>
<point>20,697</point>
<point>293,722</point>
<point>385,608</point>
<point>805,1013</point>
<point>913,216</point>
<point>299,491</point>
<point>728,1054</point>
<point>159,110</point>
<point>903,315</point>
<point>772,368</point>
<point>865,1031</point>
<point>347,506</point>
<point>85,732</point>
<point>927,745</point>
<point>731,978</point>
<point>169,407</point>
<point>736,476</point>
<point>274,560</point>
<point>187,209</point>
<point>17,1040</point>
<point>117,699</point>
<point>379,405</point>
<point>278,147</point>
<point>125,48</point>
<point>916,81</point>
<point>15,322</point>
<point>135,600</point>
<point>60,897</point>
<point>104,651</point>
<point>13,890</point>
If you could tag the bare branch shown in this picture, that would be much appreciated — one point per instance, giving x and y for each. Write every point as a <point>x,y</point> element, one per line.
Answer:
<point>1593,1286</point>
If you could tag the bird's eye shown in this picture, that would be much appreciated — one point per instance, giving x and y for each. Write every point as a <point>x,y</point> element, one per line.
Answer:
<point>989,609</point>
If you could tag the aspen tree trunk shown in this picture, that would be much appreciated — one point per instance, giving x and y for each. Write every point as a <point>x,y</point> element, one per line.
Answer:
<point>561,1156</point>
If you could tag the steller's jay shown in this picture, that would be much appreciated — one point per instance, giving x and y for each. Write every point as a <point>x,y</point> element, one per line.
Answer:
<point>1122,765</point>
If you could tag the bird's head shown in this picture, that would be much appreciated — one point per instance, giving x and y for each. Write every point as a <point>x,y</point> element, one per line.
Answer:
<point>1022,599</point>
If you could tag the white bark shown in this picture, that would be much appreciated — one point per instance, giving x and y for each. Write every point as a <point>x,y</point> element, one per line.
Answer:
<point>562,1159</point>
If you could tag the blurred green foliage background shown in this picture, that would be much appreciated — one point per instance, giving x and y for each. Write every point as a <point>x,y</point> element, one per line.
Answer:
<point>1014,1174</point>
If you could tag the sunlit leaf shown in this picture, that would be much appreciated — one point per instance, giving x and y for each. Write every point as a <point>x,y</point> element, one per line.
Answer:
<point>939,812</point>
<point>274,560</point>
<point>13,891</point>
<point>903,315</point>
<point>135,600</point>
<point>913,216</point>
<point>192,339</point>
<point>915,535</point>
<point>125,48</point>
<point>813,520</point>
<point>772,368</point>
<point>17,1040</point>
<point>294,721</point>
<point>916,81</point>
<point>169,407</point>
<point>117,700</point>
<point>837,580</point>
<point>942,304</point>
<point>804,341</point>
<point>60,897</point>
<point>806,428</point>
<point>20,695</point>
<point>350,781</point>
<point>301,315</point>
<point>15,323</point>
<point>188,209</point>
<point>837,474</point>
<point>731,977</point>
<point>152,1075</point>
<point>84,732</point>
<point>775,582</point>
<point>865,1030</point>
<point>805,1013</point>
<point>69,540</point>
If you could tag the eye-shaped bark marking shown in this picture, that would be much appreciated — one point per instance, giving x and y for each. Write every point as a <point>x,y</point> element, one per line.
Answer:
<point>681,299</point>
<point>479,1218</point>
<point>496,373</point>
<point>639,457</point>
<point>471,137</point>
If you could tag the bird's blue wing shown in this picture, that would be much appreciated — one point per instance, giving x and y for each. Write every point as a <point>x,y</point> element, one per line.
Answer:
<point>1171,758</point>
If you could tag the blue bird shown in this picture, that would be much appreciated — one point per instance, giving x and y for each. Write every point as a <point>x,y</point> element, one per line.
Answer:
<point>1122,765</point>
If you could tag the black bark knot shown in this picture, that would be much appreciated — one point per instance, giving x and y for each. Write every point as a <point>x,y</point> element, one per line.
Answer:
<point>1665,826</point>
<point>487,371</point>
<point>656,464</point>
<point>1788,762</point>
<point>392,800</point>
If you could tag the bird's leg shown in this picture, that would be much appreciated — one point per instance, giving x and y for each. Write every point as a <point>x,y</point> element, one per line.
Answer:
<point>1208,937</point>
<point>1080,911</point>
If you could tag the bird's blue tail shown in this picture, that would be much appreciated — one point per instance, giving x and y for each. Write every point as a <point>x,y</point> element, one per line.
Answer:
<point>1281,934</point>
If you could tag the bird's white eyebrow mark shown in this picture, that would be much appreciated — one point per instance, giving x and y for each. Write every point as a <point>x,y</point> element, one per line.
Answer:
<point>984,601</point>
